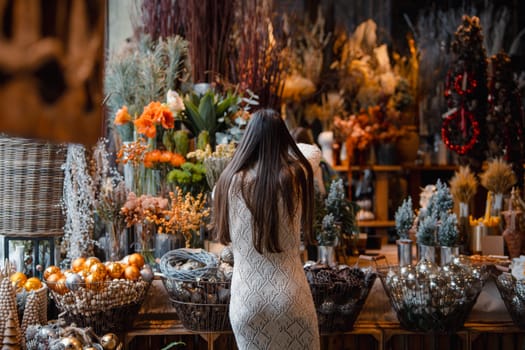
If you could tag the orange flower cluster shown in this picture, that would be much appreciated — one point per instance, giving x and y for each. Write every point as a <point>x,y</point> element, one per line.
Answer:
<point>132,152</point>
<point>185,214</point>
<point>122,117</point>
<point>157,156</point>
<point>154,114</point>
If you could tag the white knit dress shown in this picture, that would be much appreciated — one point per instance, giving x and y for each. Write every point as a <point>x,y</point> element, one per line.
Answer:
<point>271,304</point>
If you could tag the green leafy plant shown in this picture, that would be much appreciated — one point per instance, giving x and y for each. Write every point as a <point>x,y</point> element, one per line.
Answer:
<point>207,112</point>
<point>190,177</point>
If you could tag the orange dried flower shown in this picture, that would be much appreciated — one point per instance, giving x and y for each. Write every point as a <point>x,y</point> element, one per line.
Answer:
<point>177,160</point>
<point>122,117</point>
<point>154,114</point>
<point>165,157</point>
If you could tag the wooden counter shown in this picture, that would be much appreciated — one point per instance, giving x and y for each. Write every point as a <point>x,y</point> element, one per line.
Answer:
<point>488,326</point>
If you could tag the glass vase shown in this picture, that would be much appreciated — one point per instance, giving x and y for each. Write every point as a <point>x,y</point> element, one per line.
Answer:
<point>166,242</point>
<point>115,242</point>
<point>144,241</point>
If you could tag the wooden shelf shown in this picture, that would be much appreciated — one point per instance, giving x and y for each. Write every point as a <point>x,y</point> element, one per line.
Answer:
<point>376,168</point>
<point>376,223</point>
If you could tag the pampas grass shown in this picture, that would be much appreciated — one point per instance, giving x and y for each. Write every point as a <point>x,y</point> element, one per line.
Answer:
<point>463,185</point>
<point>499,177</point>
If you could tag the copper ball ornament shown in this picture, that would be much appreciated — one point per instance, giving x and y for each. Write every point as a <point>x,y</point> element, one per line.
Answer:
<point>114,269</point>
<point>51,270</point>
<point>32,283</point>
<point>71,343</point>
<point>109,341</point>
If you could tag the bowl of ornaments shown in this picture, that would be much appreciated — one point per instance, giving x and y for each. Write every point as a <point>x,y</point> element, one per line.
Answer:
<point>339,293</point>
<point>198,284</point>
<point>104,296</point>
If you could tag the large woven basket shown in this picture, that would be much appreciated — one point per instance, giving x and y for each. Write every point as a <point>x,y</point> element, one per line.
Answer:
<point>31,185</point>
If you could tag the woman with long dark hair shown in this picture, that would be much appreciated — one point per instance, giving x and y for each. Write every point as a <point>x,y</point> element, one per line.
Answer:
<point>263,202</point>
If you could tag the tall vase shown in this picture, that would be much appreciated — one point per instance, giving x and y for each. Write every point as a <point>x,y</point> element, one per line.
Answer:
<point>115,242</point>
<point>463,228</point>
<point>404,251</point>
<point>326,141</point>
<point>447,254</point>
<point>144,241</point>
<point>326,255</point>
<point>428,252</point>
<point>166,242</point>
<point>129,171</point>
<point>511,234</point>
<point>497,204</point>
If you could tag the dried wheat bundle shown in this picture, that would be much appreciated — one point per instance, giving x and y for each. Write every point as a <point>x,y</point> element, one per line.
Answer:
<point>499,177</point>
<point>463,185</point>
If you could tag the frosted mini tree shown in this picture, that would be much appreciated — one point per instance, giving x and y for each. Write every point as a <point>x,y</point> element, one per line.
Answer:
<point>448,234</point>
<point>426,231</point>
<point>341,208</point>
<point>404,218</point>
<point>440,202</point>
<point>77,205</point>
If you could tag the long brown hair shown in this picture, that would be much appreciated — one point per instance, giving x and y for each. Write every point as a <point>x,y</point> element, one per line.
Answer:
<point>282,171</point>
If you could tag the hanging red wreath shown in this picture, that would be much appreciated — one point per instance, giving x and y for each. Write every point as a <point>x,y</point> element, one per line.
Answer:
<point>460,131</point>
<point>462,84</point>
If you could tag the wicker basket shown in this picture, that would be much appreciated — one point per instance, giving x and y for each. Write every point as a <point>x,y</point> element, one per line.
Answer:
<point>31,185</point>
<point>201,306</point>
<point>512,292</point>
<point>109,306</point>
<point>200,264</point>
<point>425,304</point>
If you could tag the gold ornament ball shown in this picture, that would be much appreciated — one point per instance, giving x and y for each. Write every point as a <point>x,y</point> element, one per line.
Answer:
<point>92,260</point>
<point>18,279</point>
<point>51,270</point>
<point>136,259</point>
<point>115,269</point>
<point>78,264</point>
<point>60,286</point>
<point>71,343</point>
<point>94,282</point>
<point>98,270</point>
<point>32,283</point>
<point>132,273</point>
<point>109,341</point>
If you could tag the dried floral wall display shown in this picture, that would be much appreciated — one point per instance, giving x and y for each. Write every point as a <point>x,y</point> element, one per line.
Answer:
<point>55,92</point>
<point>378,95</point>
<point>505,118</point>
<point>464,125</point>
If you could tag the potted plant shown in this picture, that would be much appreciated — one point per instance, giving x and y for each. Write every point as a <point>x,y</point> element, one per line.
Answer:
<point>338,223</point>
<point>404,218</point>
<point>448,237</point>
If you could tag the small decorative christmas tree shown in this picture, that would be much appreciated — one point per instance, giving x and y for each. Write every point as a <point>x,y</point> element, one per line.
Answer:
<point>330,232</point>
<point>31,312</point>
<point>426,231</point>
<point>404,218</point>
<point>11,336</point>
<point>441,200</point>
<point>341,208</point>
<point>448,234</point>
